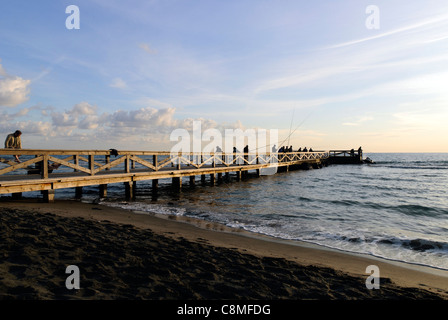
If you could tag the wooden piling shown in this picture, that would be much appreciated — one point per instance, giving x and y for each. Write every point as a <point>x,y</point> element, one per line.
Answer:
<point>103,190</point>
<point>177,183</point>
<point>130,188</point>
<point>78,193</point>
<point>48,195</point>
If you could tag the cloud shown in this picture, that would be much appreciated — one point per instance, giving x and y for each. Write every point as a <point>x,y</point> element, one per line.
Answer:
<point>358,121</point>
<point>421,24</point>
<point>13,89</point>
<point>118,83</point>
<point>147,118</point>
<point>147,48</point>
<point>84,126</point>
<point>81,116</point>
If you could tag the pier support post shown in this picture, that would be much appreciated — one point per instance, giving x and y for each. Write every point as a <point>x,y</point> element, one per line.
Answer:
<point>78,193</point>
<point>203,179</point>
<point>155,184</point>
<point>103,190</point>
<point>48,195</point>
<point>212,179</point>
<point>17,195</point>
<point>130,188</point>
<point>219,177</point>
<point>192,181</point>
<point>238,175</point>
<point>177,183</point>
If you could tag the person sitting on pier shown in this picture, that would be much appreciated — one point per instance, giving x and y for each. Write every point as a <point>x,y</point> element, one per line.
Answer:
<point>218,149</point>
<point>38,167</point>
<point>290,149</point>
<point>300,149</point>
<point>274,148</point>
<point>13,142</point>
<point>305,149</point>
<point>282,149</point>
<point>311,150</point>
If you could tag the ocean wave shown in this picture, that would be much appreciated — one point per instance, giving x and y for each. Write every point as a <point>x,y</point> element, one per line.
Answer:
<point>145,207</point>
<point>417,167</point>
<point>420,245</point>
<point>419,210</point>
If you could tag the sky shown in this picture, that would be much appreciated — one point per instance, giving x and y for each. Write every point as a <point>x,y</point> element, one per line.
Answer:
<point>325,74</point>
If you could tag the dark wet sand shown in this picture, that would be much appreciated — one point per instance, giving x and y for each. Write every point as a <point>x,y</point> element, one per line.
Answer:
<point>122,255</point>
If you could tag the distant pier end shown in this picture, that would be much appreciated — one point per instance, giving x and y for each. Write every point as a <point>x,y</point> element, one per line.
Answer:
<point>346,157</point>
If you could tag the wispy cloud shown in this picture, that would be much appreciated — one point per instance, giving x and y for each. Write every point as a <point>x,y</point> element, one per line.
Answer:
<point>418,25</point>
<point>358,121</point>
<point>118,83</point>
<point>147,48</point>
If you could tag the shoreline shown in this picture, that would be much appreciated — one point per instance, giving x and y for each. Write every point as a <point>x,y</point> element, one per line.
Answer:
<point>203,233</point>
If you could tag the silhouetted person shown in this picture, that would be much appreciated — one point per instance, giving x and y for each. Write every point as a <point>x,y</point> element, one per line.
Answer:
<point>113,152</point>
<point>246,151</point>
<point>13,141</point>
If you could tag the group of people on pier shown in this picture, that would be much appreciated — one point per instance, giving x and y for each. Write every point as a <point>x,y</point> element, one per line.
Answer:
<point>284,149</point>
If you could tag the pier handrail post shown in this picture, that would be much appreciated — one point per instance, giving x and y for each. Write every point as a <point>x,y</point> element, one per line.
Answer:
<point>107,160</point>
<point>154,162</point>
<point>76,161</point>
<point>179,155</point>
<point>44,167</point>
<point>92,164</point>
<point>127,162</point>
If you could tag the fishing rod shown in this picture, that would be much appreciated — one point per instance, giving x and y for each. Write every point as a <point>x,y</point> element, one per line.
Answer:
<point>289,135</point>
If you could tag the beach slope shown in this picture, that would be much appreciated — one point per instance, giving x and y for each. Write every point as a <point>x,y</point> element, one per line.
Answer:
<point>126,255</point>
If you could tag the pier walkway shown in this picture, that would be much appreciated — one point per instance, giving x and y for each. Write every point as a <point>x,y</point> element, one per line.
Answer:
<point>49,170</point>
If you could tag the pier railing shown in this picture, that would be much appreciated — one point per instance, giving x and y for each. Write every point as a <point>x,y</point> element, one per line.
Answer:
<point>94,162</point>
<point>49,170</point>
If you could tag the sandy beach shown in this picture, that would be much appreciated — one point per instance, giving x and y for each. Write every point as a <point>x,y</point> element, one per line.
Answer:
<point>125,255</point>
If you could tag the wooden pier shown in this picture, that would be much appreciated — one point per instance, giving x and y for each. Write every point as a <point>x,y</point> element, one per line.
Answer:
<point>346,156</point>
<point>49,170</point>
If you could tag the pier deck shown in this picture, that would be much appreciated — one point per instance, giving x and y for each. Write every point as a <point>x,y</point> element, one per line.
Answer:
<point>79,168</point>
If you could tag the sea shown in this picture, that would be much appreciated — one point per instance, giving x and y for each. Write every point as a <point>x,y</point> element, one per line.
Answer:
<point>395,208</point>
